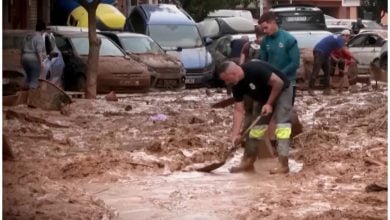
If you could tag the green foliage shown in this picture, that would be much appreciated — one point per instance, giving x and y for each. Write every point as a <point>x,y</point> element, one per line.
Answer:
<point>199,9</point>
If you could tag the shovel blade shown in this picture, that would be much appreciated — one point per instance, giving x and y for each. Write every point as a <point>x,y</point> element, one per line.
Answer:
<point>211,167</point>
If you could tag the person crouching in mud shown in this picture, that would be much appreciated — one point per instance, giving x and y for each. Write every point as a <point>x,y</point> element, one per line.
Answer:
<point>271,88</point>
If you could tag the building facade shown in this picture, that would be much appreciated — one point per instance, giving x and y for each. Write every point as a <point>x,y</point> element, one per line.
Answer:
<point>23,14</point>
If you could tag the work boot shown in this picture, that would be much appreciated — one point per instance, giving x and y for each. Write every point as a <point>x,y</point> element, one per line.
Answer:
<point>282,166</point>
<point>246,165</point>
<point>327,92</point>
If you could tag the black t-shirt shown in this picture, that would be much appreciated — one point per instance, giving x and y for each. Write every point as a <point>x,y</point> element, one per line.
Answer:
<point>255,83</point>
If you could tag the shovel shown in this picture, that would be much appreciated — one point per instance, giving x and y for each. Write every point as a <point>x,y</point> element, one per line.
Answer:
<point>216,165</point>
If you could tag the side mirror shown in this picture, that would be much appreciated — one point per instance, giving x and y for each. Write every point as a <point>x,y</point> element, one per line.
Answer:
<point>207,40</point>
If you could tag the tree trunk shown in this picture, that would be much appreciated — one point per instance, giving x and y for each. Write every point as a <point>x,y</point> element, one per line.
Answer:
<point>94,46</point>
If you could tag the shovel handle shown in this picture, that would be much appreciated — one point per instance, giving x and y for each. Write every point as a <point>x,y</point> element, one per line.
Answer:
<point>251,126</point>
<point>246,132</point>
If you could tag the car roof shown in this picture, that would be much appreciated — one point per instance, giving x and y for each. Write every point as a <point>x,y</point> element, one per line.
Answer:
<point>124,34</point>
<point>74,34</point>
<point>165,14</point>
<point>297,7</point>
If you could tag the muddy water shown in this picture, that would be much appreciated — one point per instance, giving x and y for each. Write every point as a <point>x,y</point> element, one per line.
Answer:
<point>126,160</point>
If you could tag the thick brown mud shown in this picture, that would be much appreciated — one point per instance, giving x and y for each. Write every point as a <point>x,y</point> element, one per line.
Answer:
<point>134,159</point>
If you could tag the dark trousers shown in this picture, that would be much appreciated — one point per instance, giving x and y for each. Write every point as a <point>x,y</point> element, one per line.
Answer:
<point>320,61</point>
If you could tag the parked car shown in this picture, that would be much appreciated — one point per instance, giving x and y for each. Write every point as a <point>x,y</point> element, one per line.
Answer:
<point>215,28</point>
<point>383,57</point>
<point>116,70</point>
<point>176,32</point>
<point>224,13</point>
<point>305,22</point>
<point>369,25</point>
<point>299,17</point>
<point>14,75</point>
<point>366,48</point>
<point>166,71</point>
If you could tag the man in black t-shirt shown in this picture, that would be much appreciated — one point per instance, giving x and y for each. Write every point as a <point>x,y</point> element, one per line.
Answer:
<point>271,89</point>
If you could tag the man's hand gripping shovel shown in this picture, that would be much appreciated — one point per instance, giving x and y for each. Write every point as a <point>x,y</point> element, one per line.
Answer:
<point>229,154</point>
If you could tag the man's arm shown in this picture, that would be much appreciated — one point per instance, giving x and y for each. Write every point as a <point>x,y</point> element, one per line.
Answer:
<point>238,118</point>
<point>348,54</point>
<point>293,54</point>
<point>276,84</point>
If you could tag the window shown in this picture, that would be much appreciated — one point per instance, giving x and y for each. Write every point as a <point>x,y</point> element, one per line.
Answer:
<point>140,45</point>
<point>357,41</point>
<point>173,35</point>
<point>107,48</point>
<point>62,43</point>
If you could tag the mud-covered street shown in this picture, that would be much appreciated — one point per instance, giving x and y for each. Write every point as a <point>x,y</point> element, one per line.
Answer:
<point>135,159</point>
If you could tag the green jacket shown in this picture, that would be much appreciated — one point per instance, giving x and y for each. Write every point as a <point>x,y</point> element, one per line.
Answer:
<point>281,50</point>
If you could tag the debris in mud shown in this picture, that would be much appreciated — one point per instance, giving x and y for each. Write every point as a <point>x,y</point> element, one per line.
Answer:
<point>111,97</point>
<point>196,120</point>
<point>374,187</point>
<point>159,117</point>
<point>128,108</point>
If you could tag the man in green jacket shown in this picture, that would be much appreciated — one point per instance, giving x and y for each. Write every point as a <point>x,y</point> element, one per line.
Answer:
<point>280,49</point>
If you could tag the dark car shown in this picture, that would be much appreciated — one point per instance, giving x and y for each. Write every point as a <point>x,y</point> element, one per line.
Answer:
<point>177,33</point>
<point>166,71</point>
<point>116,71</point>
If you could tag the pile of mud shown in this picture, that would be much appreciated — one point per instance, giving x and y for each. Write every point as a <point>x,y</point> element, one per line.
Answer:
<point>29,192</point>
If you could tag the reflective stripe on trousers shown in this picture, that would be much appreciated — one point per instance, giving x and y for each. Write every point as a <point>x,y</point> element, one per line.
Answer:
<point>258,131</point>
<point>283,131</point>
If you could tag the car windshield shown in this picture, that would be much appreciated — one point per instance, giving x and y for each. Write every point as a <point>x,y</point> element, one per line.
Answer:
<point>107,48</point>
<point>313,20</point>
<point>140,44</point>
<point>173,35</point>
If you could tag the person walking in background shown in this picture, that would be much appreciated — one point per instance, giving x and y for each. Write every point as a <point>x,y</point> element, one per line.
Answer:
<point>321,53</point>
<point>251,49</point>
<point>236,48</point>
<point>33,54</point>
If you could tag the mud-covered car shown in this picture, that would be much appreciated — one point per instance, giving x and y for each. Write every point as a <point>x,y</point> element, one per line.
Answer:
<point>116,72</point>
<point>14,75</point>
<point>366,48</point>
<point>166,71</point>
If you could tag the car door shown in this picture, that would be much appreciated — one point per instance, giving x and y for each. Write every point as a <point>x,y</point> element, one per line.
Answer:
<point>357,48</point>
<point>371,49</point>
<point>75,68</point>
